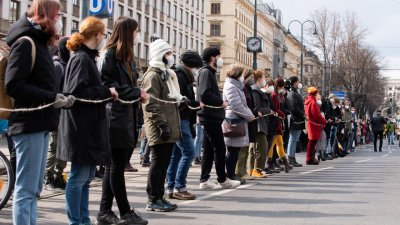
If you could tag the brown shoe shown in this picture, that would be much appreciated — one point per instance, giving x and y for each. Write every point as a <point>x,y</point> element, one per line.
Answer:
<point>184,195</point>
<point>129,168</point>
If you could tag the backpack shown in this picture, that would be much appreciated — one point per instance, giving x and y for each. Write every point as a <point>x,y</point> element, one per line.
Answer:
<point>5,100</point>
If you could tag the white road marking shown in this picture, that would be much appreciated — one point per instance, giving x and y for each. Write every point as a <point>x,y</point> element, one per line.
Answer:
<point>312,171</point>
<point>218,193</point>
<point>385,155</point>
<point>365,160</point>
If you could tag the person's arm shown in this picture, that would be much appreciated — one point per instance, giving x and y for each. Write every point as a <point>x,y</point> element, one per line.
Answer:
<point>183,86</point>
<point>106,66</point>
<point>18,74</point>
<point>152,107</point>
<point>316,114</point>
<point>232,96</point>
<point>204,90</point>
<point>77,81</point>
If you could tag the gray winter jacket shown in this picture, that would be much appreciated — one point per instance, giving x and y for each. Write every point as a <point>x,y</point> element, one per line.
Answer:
<point>234,95</point>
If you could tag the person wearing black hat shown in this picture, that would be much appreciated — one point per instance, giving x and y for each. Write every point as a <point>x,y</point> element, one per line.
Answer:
<point>297,119</point>
<point>183,152</point>
<point>378,126</point>
<point>211,119</point>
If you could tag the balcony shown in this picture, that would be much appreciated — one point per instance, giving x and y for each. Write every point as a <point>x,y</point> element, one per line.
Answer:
<point>277,42</point>
<point>147,9</point>
<point>64,5</point>
<point>5,26</point>
<point>75,10</point>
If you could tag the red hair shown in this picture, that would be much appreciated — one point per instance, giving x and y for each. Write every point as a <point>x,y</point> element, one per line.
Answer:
<point>44,12</point>
<point>89,27</point>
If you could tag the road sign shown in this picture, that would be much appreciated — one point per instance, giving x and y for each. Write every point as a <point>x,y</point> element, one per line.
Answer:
<point>101,8</point>
<point>340,94</point>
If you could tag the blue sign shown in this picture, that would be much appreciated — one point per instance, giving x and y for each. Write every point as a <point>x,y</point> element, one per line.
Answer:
<point>340,94</point>
<point>101,8</point>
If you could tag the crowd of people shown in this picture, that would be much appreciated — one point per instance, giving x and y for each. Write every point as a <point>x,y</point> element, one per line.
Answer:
<point>250,130</point>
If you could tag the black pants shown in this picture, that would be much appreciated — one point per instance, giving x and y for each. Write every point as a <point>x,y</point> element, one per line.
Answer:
<point>214,149</point>
<point>160,159</point>
<point>231,161</point>
<point>380,134</point>
<point>114,183</point>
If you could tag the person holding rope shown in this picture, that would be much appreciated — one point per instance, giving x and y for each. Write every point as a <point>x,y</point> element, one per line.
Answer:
<point>277,139</point>
<point>118,70</point>
<point>211,118</point>
<point>315,124</point>
<point>161,120</point>
<point>83,132</point>
<point>236,112</point>
<point>31,81</point>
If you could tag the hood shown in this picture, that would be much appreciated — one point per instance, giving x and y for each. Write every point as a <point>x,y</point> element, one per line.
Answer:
<point>250,81</point>
<point>186,72</point>
<point>309,100</point>
<point>24,28</point>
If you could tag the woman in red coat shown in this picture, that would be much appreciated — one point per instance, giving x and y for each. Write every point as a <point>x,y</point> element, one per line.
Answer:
<point>315,124</point>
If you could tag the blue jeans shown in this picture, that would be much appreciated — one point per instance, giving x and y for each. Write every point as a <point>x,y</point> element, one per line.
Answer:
<point>77,193</point>
<point>31,151</point>
<point>294,136</point>
<point>331,140</point>
<point>182,158</point>
<point>143,144</point>
<point>198,140</point>
<point>391,137</point>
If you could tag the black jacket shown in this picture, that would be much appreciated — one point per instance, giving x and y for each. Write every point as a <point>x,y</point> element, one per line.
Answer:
<point>30,88</point>
<point>262,104</point>
<point>186,79</point>
<point>378,123</point>
<point>60,67</point>
<point>123,121</point>
<point>297,110</point>
<point>209,94</point>
<point>83,134</point>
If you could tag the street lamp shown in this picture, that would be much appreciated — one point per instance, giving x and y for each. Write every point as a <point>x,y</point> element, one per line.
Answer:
<point>302,46</point>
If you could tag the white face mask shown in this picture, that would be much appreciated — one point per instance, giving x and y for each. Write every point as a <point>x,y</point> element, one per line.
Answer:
<point>353,112</point>
<point>347,107</point>
<point>300,86</point>
<point>101,45</point>
<point>319,102</point>
<point>59,26</point>
<point>171,60</point>
<point>280,91</point>
<point>241,79</point>
<point>220,62</point>
<point>263,83</point>
<point>271,89</point>
<point>138,39</point>
<point>334,107</point>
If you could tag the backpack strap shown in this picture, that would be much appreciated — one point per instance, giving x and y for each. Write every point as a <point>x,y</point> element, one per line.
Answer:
<point>33,53</point>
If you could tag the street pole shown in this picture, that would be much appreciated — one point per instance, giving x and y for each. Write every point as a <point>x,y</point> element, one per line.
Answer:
<point>255,35</point>
<point>301,57</point>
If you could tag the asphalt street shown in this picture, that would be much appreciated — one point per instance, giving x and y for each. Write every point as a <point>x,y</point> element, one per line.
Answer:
<point>360,189</point>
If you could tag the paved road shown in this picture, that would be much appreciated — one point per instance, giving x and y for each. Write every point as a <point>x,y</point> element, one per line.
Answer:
<point>360,189</point>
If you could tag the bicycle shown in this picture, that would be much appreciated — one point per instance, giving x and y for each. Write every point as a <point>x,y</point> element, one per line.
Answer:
<point>6,180</point>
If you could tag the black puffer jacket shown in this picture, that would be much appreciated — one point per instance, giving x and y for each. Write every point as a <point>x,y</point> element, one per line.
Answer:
<point>83,134</point>
<point>209,94</point>
<point>123,77</point>
<point>186,79</point>
<point>297,110</point>
<point>378,123</point>
<point>30,88</point>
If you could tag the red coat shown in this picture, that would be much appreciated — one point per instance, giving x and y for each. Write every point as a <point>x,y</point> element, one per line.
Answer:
<point>276,101</point>
<point>313,114</point>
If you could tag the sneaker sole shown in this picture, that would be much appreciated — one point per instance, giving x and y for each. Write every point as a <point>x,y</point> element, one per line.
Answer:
<point>158,210</point>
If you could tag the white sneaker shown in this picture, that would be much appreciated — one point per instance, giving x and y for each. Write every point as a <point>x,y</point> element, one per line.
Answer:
<point>230,184</point>
<point>208,185</point>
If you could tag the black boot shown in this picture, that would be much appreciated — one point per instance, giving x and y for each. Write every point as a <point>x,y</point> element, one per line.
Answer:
<point>287,166</point>
<point>293,162</point>
<point>271,167</point>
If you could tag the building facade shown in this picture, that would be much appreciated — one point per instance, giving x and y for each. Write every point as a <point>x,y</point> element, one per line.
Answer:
<point>292,51</point>
<point>228,25</point>
<point>179,22</point>
<point>313,69</point>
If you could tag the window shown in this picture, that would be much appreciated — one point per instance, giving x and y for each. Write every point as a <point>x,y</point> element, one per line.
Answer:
<point>192,43</point>
<point>181,15</point>
<point>146,52</point>
<point>146,25</point>
<point>215,30</point>
<point>174,37</point>
<point>154,26</point>
<point>192,22</point>
<point>120,10</point>
<point>139,47</point>
<point>201,27</point>
<point>169,9</point>
<point>162,6</point>
<point>130,13</point>
<point>162,31</point>
<point>306,68</point>
<point>75,2</point>
<point>64,29</point>
<point>175,14</point>
<point>180,40</point>
<point>168,34</point>
<point>75,25</point>
<point>187,41</point>
<point>197,24</point>
<point>14,11</point>
<point>215,8</point>
<point>187,18</point>
<point>155,4</point>
<point>202,7</point>
<point>139,19</point>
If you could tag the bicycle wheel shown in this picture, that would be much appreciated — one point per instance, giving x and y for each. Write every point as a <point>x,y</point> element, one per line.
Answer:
<point>6,180</point>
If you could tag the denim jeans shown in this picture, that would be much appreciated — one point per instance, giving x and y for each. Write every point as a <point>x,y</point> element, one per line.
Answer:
<point>31,151</point>
<point>198,140</point>
<point>182,157</point>
<point>391,137</point>
<point>331,140</point>
<point>77,193</point>
<point>294,136</point>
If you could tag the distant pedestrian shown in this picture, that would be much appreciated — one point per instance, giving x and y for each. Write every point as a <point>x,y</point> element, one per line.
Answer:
<point>378,126</point>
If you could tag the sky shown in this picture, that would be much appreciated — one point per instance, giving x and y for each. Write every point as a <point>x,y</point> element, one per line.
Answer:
<point>381,18</point>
